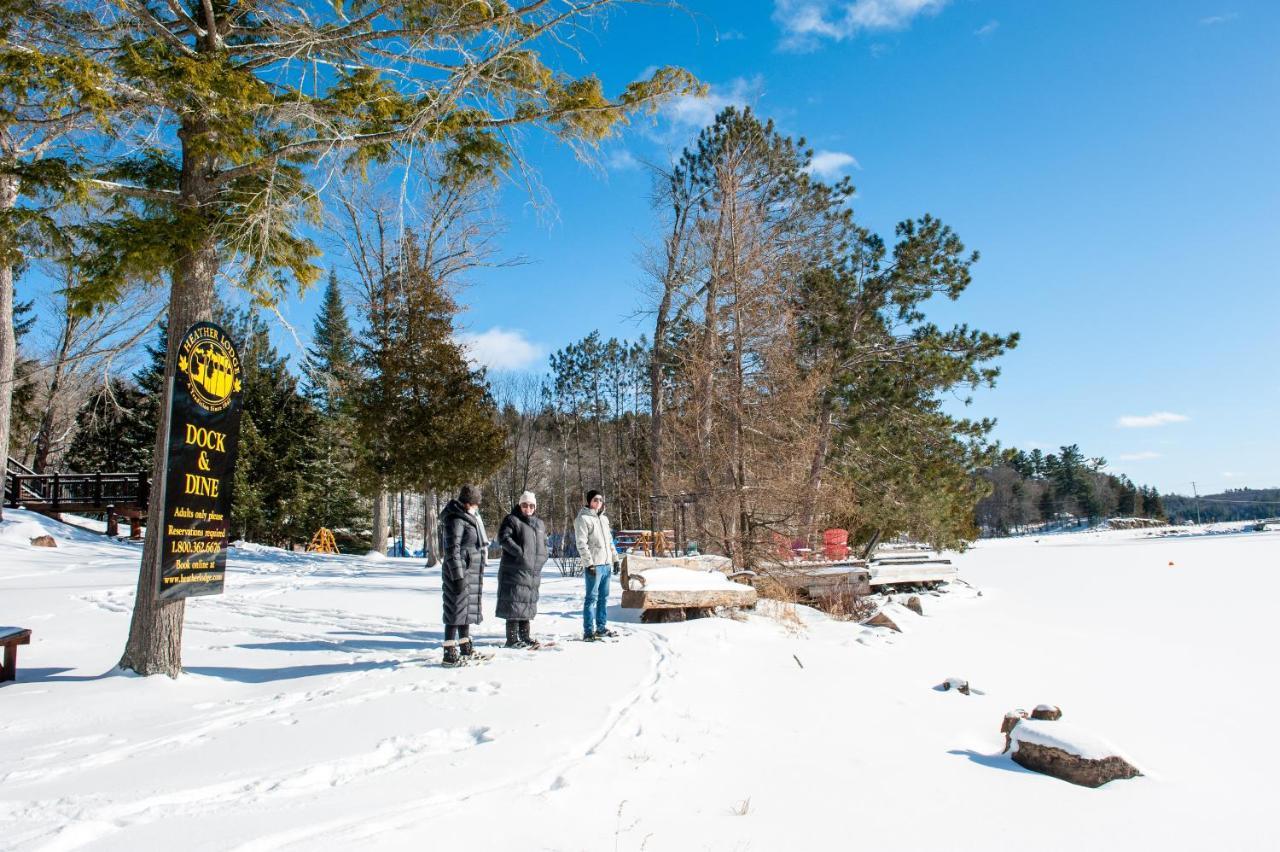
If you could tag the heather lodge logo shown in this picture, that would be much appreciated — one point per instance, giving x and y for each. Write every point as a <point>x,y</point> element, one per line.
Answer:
<point>210,365</point>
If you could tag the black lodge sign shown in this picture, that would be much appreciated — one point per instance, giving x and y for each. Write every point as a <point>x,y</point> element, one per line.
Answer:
<point>204,431</point>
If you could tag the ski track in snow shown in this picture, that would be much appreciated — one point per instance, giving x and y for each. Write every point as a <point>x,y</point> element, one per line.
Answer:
<point>83,819</point>
<point>542,782</point>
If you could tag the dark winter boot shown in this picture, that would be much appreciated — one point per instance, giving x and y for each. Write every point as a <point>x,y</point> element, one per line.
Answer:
<point>451,655</point>
<point>605,633</point>
<point>526,638</point>
<point>465,649</point>
<point>513,634</point>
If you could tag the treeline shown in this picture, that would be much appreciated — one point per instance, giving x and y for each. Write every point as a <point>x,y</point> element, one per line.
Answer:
<point>1033,490</point>
<point>792,381</point>
<point>1234,504</point>
<point>326,448</point>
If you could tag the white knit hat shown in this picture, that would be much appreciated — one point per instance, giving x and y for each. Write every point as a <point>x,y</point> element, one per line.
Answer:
<point>528,497</point>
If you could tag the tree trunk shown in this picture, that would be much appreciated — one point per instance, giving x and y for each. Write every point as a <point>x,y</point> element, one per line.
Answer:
<point>155,633</point>
<point>8,338</point>
<point>380,521</point>
<point>431,518</point>
<point>44,437</point>
<point>817,464</point>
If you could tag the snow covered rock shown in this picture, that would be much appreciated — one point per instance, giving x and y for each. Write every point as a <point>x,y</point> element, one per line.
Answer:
<point>1064,751</point>
<point>913,604</point>
<point>1047,712</point>
<point>43,541</point>
<point>960,685</point>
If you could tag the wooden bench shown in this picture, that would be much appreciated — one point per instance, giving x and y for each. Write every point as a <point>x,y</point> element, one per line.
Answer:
<point>11,638</point>
<point>658,605</point>
<point>813,580</point>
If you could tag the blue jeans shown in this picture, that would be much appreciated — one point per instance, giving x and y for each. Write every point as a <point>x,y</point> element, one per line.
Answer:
<point>596,603</point>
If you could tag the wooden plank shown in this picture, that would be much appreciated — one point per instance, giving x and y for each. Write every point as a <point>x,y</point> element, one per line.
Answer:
<point>638,563</point>
<point>913,573</point>
<point>815,583</point>
<point>683,599</point>
<point>15,636</point>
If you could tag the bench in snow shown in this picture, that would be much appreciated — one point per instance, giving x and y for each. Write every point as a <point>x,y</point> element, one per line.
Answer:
<point>892,572</point>
<point>821,579</point>
<point>675,588</point>
<point>11,638</point>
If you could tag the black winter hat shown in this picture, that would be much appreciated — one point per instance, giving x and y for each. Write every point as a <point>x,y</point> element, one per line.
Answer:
<point>593,494</point>
<point>469,495</point>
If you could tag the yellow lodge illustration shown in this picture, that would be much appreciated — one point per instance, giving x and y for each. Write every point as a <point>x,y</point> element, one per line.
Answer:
<point>212,368</point>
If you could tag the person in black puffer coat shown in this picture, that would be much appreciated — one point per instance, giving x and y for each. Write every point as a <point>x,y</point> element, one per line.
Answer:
<point>523,537</point>
<point>462,575</point>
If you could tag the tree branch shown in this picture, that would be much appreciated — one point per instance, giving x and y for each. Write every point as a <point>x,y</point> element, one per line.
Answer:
<point>164,196</point>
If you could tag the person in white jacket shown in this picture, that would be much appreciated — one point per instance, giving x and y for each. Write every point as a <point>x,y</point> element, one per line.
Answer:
<point>597,555</point>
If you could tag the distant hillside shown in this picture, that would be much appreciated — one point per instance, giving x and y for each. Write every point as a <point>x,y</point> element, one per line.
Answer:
<point>1238,504</point>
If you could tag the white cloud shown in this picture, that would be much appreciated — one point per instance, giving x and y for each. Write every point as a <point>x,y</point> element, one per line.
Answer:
<point>1145,455</point>
<point>500,349</point>
<point>694,112</point>
<point>731,35</point>
<point>1218,19</point>
<point>621,160</point>
<point>1146,421</point>
<point>830,165</point>
<point>806,22</point>
<point>987,29</point>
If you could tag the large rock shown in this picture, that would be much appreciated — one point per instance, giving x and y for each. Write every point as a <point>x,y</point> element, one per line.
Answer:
<point>43,541</point>
<point>913,604</point>
<point>1047,713</point>
<point>882,620</point>
<point>1063,751</point>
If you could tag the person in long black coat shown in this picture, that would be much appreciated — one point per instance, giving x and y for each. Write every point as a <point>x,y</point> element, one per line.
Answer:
<point>462,574</point>
<point>523,537</point>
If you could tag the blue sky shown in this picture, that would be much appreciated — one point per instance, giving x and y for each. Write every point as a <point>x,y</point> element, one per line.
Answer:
<point>1117,164</point>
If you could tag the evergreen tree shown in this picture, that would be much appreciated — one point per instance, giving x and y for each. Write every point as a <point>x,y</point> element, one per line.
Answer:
<point>123,416</point>
<point>424,419</point>
<point>1152,505</point>
<point>278,439</point>
<point>330,376</point>
<point>25,419</point>
<point>113,434</point>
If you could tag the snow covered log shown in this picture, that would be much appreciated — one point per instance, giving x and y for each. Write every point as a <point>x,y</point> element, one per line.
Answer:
<point>1063,751</point>
<point>694,586</point>
<point>894,573</point>
<point>688,599</point>
<point>816,580</point>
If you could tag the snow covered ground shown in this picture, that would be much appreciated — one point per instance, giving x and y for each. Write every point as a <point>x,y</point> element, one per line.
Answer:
<point>314,715</point>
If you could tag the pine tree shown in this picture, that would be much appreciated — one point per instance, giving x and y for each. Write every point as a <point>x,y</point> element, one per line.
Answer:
<point>424,418</point>
<point>330,377</point>
<point>25,418</point>
<point>113,432</point>
<point>278,431</point>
